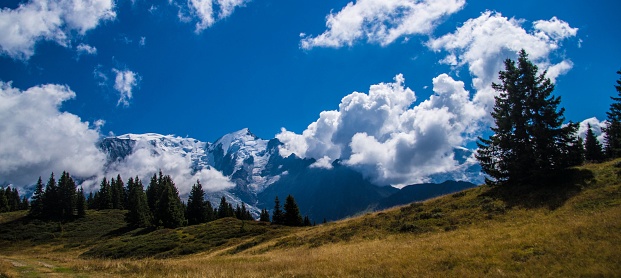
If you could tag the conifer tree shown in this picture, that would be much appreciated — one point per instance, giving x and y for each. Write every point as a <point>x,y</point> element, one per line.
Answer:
<point>13,198</point>
<point>225,209</point>
<point>67,195</point>
<point>51,206</point>
<point>4,201</point>
<point>307,221</point>
<point>292,215</point>
<point>24,204</point>
<point>196,209</point>
<point>530,140</point>
<point>153,191</point>
<point>36,208</point>
<point>265,216</point>
<point>277,214</point>
<point>118,193</point>
<point>576,152</point>
<point>238,212</point>
<point>105,195</point>
<point>593,148</point>
<point>81,203</point>
<point>138,214</point>
<point>169,209</point>
<point>612,130</point>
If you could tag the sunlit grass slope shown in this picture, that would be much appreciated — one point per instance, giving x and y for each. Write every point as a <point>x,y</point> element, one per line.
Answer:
<point>569,227</point>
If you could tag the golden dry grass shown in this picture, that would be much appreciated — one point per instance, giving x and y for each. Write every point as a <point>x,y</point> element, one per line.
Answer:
<point>470,234</point>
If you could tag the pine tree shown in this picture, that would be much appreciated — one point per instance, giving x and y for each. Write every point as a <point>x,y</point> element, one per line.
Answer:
<point>24,204</point>
<point>530,140</point>
<point>292,215</point>
<point>105,195</point>
<point>277,214</point>
<point>196,209</point>
<point>307,221</point>
<point>265,216</point>
<point>153,191</point>
<point>576,152</point>
<point>612,130</point>
<point>4,201</point>
<point>117,193</point>
<point>13,198</point>
<point>67,195</point>
<point>593,148</point>
<point>81,203</point>
<point>36,208</point>
<point>169,209</point>
<point>138,214</point>
<point>51,206</point>
<point>225,209</point>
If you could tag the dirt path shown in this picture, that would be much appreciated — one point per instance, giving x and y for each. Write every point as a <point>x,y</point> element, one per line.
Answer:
<point>28,267</point>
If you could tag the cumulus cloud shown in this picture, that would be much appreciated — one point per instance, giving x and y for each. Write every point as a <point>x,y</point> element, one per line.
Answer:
<point>596,126</point>
<point>381,21</point>
<point>124,83</point>
<point>38,139</point>
<point>146,161</point>
<point>384,135</point>
<point>46,20</point>
<point>209,11</point>
<point>483,43</point>
<point>86,49</point>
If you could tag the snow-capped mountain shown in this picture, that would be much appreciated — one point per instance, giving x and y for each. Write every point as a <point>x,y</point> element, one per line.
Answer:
<point>247,166</point>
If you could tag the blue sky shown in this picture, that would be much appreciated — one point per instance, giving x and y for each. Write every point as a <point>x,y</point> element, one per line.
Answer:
<point>172,67</point>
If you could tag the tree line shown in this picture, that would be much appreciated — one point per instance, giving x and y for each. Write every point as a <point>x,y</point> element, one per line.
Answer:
<point>159,205</point>
<point>530,140</point>
<point>10,200</point>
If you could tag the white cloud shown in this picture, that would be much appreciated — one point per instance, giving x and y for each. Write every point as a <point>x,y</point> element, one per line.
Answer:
<point>38,139</point>
<point>324,162</point>
<point>124,83</point>
<point>46,20</point>
<point>146,161</point>
<point>596,126</point>
<point>209,11</point>
<point>143,41</point>
<point>381,134</point>
<point>484,43</point>
<point>381,21</point>
<point>86,49</point>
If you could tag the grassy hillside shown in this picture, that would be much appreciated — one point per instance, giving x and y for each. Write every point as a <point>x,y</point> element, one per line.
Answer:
<point>568,228</point>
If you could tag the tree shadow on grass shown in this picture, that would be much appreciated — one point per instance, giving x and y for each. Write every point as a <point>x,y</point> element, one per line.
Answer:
<point>551,191</point>
<point>127,229</point>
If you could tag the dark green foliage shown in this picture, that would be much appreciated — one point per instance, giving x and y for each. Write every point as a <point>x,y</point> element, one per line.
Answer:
<point>265,216</point>
<point>36,208</point>
<point>197,211</point>
<point>81,203</point>
<point>104,197</point>
<point>292,215</point>
<point>576,152</point>
<point>118,193</point>
<point>225,209</point>
<point>529,140</point>
<point>138,214</point>
<point>593,148</point>
<point>24,204</point>
<point>67,196</point>
<point>613,127</point>
<point>307,221</point>
<point>51,205</point>
<point>153,191</point>
<point>277,214</point>
<point>169,211</point>
<point>4,201</point>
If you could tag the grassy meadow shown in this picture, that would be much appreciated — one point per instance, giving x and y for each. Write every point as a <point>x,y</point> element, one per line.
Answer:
<point>569,228</point>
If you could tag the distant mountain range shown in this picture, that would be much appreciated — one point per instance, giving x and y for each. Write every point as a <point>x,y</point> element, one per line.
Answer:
<point>260,174</point>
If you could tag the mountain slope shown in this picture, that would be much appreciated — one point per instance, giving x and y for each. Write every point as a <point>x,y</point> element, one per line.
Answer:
<point>566,229</point>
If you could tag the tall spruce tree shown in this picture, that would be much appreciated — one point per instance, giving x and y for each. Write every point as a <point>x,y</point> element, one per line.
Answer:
<point>265,216</point>
<point>530,140</point>
<point>292,216</point>
<point>36,207</point>
<point>81,203</point>
<point>105,195</point>
<point>593,148</point>
<point>118,193</point>
<point>612,131</point>
<point>277,215</point>
<point>169,209</point>
<point>153,191</point>
<point>51,200</point>
<point>138,214</point>
<point>225,209</point>
<point>4,201</point>
<point>196,209</point>
<point>67,195</point>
